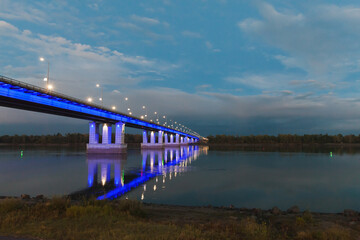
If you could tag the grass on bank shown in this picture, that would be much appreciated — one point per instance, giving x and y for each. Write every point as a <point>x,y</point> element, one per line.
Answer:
<point>90,219</point>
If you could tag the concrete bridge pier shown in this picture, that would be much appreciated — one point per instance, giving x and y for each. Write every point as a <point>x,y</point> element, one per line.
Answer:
<point>166,139</point>
<point>171,143</point>
<point>153,144</point>
<point>183,140</point>
<point>171,138</point>
<point>106,147</point>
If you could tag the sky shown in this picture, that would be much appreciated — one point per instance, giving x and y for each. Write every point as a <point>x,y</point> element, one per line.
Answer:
<point>216,66</point>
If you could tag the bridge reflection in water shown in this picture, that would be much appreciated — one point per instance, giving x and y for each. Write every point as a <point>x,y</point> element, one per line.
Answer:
<point>107,178</point>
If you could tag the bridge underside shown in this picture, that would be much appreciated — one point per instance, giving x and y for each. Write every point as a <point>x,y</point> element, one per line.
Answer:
<point>36,107</point>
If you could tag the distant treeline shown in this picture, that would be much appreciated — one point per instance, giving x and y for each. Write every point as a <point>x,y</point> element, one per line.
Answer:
<point>78,138</point>
<point>284,138</point>
<point>70,138</point>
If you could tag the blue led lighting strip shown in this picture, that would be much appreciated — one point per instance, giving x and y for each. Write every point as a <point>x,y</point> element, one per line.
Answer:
<point>33,94</point>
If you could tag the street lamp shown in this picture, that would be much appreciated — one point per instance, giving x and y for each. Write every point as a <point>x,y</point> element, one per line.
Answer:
<point>157,117</point>
<point>113,108</point>
<point>89,99</point>
<point>145,111</point>
<point>101,98</point>
<point>47,79</point>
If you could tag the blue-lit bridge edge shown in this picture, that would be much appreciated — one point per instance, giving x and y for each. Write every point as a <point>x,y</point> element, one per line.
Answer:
<point>16,94</point>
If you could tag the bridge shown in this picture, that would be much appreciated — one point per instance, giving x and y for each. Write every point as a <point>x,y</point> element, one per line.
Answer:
<point>20,95</point>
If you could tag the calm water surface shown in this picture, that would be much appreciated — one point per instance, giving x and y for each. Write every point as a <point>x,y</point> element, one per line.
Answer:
<point>189,176</point>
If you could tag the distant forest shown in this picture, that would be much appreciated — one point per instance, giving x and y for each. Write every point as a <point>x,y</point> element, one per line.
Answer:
<point>70,138</point>
<point>284,138</point>
<point>77,138</point>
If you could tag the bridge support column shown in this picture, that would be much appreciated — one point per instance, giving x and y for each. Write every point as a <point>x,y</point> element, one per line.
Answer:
<point>145,137</point>
<point>120,136</point>
<point>106,147</point>
<point>106,133</point>
<point>93,133</point>
<point>171,138</point>
<point>152,137</point>
<point>177,138</point>
<point>171,143</point>
<point>166,139</point>
<point>120,133</point>
<point>153,143</point>
<point>182,140</point>
<point>160,137</point>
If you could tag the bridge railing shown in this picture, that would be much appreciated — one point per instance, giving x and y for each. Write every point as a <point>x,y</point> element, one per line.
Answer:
<point>63,96</point>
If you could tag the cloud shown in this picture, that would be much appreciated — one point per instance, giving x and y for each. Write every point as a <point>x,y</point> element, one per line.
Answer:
<point>146,20</point>
<point>11,10</point>
<point>203,86</point>
<point>190,34</point>
<point>7,28</point>
<point>130,26</point>
<point>146,26</point>
<point>94,6</point>
<point>323,39</point>
<point>72,63</point>
<point>210,46</point>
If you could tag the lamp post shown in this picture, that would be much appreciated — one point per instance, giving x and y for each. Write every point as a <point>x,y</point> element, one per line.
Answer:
<point>101,96</point>
<point>145,111</point>
<point>47,79</point>
<point>125,104</point>
<point>157,117</point>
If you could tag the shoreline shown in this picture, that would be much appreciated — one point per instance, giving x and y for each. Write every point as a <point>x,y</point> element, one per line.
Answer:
<point>294,209</point>
<point>212,222</point>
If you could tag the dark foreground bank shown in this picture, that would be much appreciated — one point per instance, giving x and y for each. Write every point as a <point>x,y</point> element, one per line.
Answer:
<point>61,218</point>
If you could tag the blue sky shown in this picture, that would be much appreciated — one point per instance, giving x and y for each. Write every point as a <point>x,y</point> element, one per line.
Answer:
<point>219,66</point>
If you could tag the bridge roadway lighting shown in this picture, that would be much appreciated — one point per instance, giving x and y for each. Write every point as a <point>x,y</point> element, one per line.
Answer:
<point>113,108</point>
<point>156,114</point>
<point>145,111</point>
<point>101,98</point>
<point>89,99</point>
<point>48,72</point>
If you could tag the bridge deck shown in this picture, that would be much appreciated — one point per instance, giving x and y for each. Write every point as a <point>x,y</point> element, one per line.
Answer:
<point>16,94</point>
